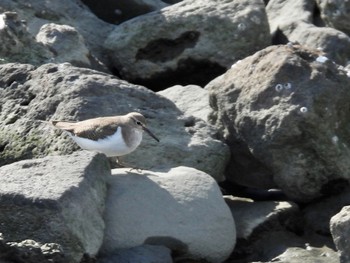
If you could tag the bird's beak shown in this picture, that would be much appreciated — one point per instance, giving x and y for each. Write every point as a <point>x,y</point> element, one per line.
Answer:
<point>150,133</point>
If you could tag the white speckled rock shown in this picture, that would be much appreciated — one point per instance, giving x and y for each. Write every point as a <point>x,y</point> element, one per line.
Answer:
<point>182,204</point>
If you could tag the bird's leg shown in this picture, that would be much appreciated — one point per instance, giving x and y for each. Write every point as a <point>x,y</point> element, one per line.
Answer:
<point>122,164</point>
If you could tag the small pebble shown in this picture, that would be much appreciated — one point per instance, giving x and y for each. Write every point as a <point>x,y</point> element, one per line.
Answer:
<point>321,59</point>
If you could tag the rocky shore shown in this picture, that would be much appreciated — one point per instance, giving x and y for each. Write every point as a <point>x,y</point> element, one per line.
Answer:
<point>250,100</point>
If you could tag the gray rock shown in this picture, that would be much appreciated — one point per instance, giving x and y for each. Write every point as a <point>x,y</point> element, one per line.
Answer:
<point>17,45</point>
<point>292,20</point>
<point>64,92</point>
<point>251,216</point>
<point>140,254</point>
<point>286,247</point>
<point>57,199</point>
<point>191,100</point>
<point>189,42</point>
<point>307,255</point>
<point>181,208</point>
<point>282,113</point>
<point>66,43</point>
<point>340,228</point>
<point>67,12</point>
<point>335,14</point>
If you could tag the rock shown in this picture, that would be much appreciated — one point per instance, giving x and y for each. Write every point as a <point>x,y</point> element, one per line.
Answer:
<point>66,12</point>
<point>340,228</point>
<point>181,208</point>
<point>191,100</point>
<point>64,92</point>
<point>187,43</point>
<point>56,199</point>
<point>292,20</point>
<point>307,255</point>
<point>335,14</point>
<point>286,247</point>
<point>17,45</point>
<point>317,215</point>
<point>251,216</point>
<point>116,12</point>
<point>30,251</point>
<point>285,132</point>
<point>140,254</point>
<point>66,43</point>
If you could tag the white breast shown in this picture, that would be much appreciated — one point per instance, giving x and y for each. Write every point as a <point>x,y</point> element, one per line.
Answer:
<point>113,145</point>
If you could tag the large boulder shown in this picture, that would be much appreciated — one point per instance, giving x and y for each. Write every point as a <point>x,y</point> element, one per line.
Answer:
<point>292,20</point>
<point>285,131</point>
<point>57,199</point>
<point>340,228</point>
<point>29,94</point>
<point>181,208</point>
<point>189,42</point>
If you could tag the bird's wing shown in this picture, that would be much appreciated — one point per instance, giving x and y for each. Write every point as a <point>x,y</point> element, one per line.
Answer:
<point>95,132</point>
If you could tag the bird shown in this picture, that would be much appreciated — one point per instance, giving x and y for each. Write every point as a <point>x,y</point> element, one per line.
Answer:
<point>113,135</point>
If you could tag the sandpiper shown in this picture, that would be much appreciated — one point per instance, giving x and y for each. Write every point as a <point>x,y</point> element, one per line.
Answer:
<point>114,136</point>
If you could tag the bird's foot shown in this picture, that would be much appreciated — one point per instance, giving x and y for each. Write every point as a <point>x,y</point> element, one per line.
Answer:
<point>121,164</point>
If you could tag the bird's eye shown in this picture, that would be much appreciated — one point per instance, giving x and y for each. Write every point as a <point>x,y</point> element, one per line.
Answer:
<point>138,123</point>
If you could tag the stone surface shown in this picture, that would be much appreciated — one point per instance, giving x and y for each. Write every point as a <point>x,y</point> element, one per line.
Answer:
<point>335,13</point>
<point>29,251</point>
<point>56,199</point>
<point>67,12</point>
<point>340,228</point>
<point>191,100</point>
<point>292,20</point>
<point>285,132</point>
<point>317,215</point>
<point>286,247</point>
<point>64,92</point>
<point>66,43</point>
<point>182,205</point>
<point>250,216</point>
<point>140,254</point>
<point>187,43</point>
<point>17,45</point>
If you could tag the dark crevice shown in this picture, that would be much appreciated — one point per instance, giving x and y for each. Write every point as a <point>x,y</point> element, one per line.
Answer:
<point>334,187</point>
<point>230,188</point>
<point>163,49</point>
<point>279,38</point>
<point>2,146</point>
<point>317,20</point>
<point>190,122</point>
<point>26,101</point>
<point>189,71</point>
<point>116,12</point>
